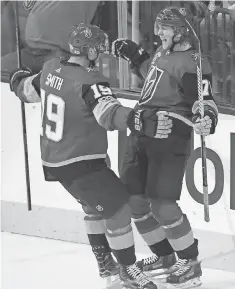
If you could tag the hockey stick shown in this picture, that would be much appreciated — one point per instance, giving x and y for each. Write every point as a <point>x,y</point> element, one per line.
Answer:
<point>201,111</point>
<point>18,51</point>
<point>135,95</point>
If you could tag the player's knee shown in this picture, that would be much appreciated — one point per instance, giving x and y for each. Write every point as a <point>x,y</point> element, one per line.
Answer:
<point>120,221</point>
<point>165,211</point>
<point>139,206</point>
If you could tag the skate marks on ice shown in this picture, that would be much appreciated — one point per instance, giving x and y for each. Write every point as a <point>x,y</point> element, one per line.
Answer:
<point>217,279</point>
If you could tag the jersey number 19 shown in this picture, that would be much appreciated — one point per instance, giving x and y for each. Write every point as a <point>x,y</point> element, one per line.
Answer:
<point>52,113</point>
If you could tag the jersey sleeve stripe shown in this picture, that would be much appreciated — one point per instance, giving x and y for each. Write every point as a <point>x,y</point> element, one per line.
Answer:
<point>102,109</point>
<point>73,160</point>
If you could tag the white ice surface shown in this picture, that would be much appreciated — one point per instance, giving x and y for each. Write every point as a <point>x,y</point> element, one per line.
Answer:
<point>37,263</point>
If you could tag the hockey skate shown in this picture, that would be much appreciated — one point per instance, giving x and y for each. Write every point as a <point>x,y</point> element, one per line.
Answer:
<point>157,266</point>
<point>186,275</point>
<point>132,277</point>
<point>108,268</point>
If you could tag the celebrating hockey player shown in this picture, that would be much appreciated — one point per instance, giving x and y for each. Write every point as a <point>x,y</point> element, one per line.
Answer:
<point>153,169</point>
<point>43,33</point>
<point>78,107</point>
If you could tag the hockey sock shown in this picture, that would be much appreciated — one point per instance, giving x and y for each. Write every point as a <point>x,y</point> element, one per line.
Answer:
<point>189,253</point>
<point>180,236</point>
<point>122,244</point>
<point>96,232</point>
<point>153,234</point>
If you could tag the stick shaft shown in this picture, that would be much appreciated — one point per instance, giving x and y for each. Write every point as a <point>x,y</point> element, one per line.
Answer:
<point>19,64</point>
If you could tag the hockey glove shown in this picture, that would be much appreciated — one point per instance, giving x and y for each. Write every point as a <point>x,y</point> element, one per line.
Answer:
<point>17,75</point>
<point>206,125</point>
<point>150,122</point>
<point>129,51</point>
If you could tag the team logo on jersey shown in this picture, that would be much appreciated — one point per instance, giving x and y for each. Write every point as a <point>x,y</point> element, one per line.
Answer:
<point>182,11</point>
<point>28,5</point>
<point>150,84</point>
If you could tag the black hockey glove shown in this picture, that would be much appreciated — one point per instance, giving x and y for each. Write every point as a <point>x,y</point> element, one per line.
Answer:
<point>129,51</point>
<point>207,124</point>
<point>17,75</point>
<point>150,122</point>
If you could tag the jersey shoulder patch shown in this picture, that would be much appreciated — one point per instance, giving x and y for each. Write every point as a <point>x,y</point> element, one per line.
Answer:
<point>28,5</point>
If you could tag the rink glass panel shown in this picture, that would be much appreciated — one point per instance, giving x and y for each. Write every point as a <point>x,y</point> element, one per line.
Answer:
<point>135,19</point>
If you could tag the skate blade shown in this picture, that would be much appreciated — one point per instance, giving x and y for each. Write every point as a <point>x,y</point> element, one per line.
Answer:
<point>159,279</point>
<point>196,282</point>
<point>113,282</point>
<point>159,274</point>
<point>156,273</point>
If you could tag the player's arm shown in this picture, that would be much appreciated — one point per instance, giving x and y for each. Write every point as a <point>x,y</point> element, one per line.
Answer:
<point>136,56</point>
<point>26,85</point>
<point>110,114</point>
<point>208,123</point>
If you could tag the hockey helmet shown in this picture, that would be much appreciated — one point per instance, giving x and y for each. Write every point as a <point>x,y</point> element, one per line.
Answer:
<point>85,36</point>
<point>168,18</point>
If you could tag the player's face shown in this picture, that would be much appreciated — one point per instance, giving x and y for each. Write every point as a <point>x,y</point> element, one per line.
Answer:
<point>166,33</point>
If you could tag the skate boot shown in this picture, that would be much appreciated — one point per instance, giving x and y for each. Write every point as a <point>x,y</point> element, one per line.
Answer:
<point>133,277</point>
<point>106,264</point>
<point>156,265</point>
<point>186,275</point>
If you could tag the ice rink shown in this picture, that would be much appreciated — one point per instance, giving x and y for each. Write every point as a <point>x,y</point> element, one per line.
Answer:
<point>38,263</point>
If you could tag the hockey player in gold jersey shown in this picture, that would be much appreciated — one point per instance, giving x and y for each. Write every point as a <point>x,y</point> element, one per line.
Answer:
<point>153,169</point>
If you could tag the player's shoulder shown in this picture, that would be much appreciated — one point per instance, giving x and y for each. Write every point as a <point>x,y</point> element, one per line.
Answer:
<point>85,76</point>
<point>72,72</point>
<point>50,65</point>
<point>94,76</point>
<point>186,62</point>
